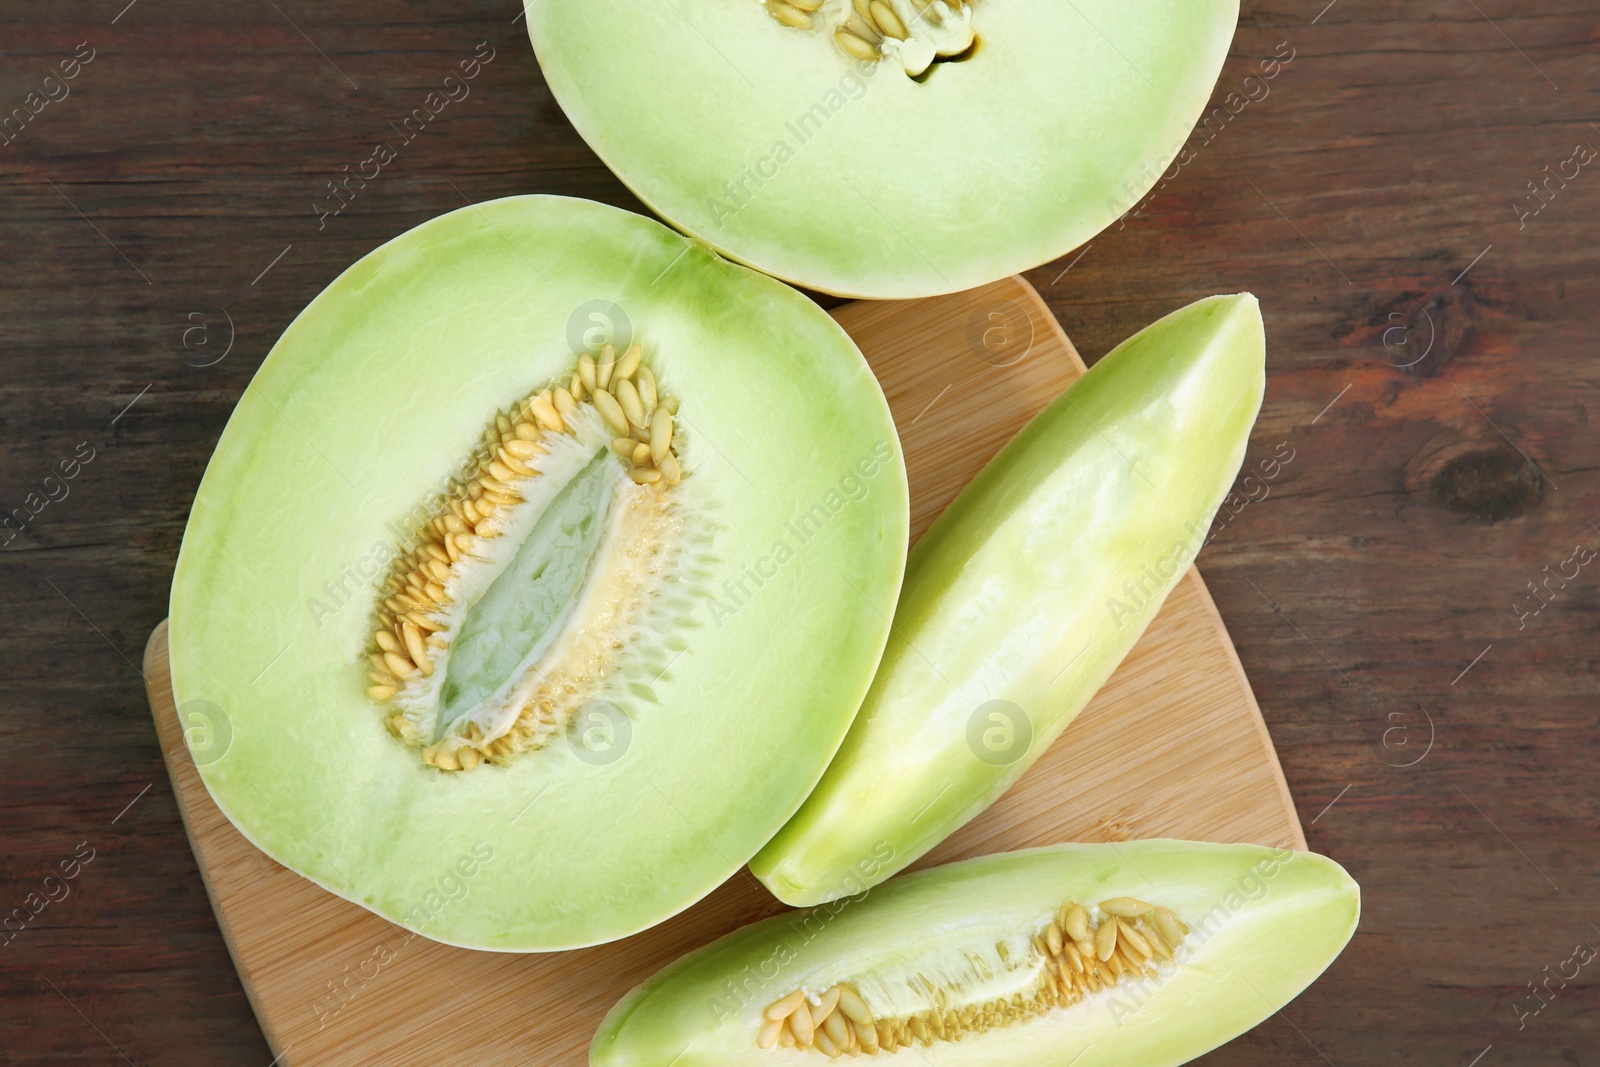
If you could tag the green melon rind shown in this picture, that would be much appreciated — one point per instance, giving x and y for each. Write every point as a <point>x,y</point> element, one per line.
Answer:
<point>1264,924</point>
<point>373,396</point>
<point>1063,120</point>
<point>1016,593</point>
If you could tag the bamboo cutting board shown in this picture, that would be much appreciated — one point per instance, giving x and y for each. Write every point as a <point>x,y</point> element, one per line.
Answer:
<point>1173,746</point>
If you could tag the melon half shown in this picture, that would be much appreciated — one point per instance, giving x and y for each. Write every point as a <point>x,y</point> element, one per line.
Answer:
<point>885,148</point>
<point>537,575</point>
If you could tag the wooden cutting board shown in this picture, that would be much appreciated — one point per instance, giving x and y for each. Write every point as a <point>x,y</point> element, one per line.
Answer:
<point>1173,746</point>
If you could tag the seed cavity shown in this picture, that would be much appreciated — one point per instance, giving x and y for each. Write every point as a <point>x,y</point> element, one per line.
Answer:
<point>912,34</point>
<point>569,527</point>
<point>1070,956</point>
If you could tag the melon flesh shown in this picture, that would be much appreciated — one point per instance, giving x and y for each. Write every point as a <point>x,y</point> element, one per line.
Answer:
<point>367,405</point>
<point>849,176</point>
<point>1258,926</point>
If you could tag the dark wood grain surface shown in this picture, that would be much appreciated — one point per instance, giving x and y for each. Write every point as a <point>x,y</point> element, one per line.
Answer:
<point>1432,364</point>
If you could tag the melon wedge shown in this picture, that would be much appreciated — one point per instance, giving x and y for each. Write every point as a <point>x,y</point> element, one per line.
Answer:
<point>1028,591</point>
<point>1134,954</point>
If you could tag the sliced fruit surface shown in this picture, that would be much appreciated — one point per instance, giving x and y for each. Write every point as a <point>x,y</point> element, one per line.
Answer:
<point>504,605</point>
<point>1027,592</point>
<point>1136,954</point>
<point>891,148</point>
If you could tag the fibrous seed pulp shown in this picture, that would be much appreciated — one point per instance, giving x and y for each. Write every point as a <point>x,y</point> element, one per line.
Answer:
<point>912,33</point>
<point>517,598</point>
<point>1078,952</point>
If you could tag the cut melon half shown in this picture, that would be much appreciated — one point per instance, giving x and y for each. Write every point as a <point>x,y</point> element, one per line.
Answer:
<point>886,148</point>
<point>530,588</point>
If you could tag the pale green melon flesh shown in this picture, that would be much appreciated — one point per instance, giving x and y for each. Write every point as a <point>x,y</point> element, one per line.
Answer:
<point>1029,590</point>
<point>849,177</point>
<point>1263,923</point>
<point>371,400</point>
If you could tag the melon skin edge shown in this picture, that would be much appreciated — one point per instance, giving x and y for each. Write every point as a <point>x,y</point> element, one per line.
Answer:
<point>370,399</point>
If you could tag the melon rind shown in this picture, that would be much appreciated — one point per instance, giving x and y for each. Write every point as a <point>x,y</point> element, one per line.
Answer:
<point>853,179</point>
<point>1264,923</point>
<point>372,398</point>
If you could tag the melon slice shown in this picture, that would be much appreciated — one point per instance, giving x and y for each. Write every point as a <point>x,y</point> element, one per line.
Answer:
<point>1028,591</point>
<point>504,594</point>
<point>1135,954</point>
<point>885,148</point>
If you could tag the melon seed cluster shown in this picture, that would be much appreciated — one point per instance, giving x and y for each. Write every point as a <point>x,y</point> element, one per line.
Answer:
<point>1080,956</point>
<point>412,631</point>
<point>869,23</point>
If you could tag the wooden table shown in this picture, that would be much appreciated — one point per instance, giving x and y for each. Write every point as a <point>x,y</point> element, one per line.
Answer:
<point>1430,375</point>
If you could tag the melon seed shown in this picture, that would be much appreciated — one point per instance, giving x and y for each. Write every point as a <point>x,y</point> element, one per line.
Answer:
<point>800,1022</point>
<point>825,1006</point>
<point>1105,939</point>
<point>784,1008</point>
<point>1125,907</point>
